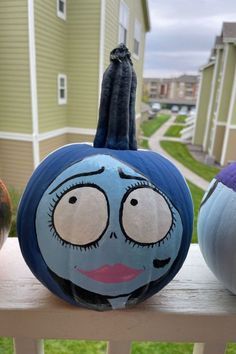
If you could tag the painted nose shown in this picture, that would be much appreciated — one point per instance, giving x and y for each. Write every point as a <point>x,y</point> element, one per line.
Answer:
<point>113,235</point>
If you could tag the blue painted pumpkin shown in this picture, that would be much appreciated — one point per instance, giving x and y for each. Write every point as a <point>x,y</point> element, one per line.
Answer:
<point>5,213</point>
<point>217,227</point>
<point>106,226</point>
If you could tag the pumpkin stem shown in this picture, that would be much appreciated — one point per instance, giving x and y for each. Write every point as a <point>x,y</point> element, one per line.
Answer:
<point>116,124</point>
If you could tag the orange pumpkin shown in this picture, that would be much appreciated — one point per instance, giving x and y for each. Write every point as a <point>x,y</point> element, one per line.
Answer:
<point>5,213</point>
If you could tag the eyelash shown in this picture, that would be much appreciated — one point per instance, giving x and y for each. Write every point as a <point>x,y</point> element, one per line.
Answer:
<point>168,235</point>
<point>158,243</point>
<point>95,244</point>
<point>54,202</point>
<point>138,184</point>
<point>51,209</point>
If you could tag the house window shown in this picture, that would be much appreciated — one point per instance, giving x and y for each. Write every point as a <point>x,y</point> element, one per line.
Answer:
<point>61,9</point>
<point>153,89</point>
<point>189,93</point>
<point>62,89</point>
<point>123,22</point>
<point>137,37</point>
<point>188,86</point>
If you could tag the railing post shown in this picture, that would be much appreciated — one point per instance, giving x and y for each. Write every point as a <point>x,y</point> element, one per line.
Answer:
<point>119,347</point>
<point>209,348</point>
<point>28,346</point>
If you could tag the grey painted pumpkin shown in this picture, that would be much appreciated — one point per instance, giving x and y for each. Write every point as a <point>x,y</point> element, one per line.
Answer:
<point>217,227</point>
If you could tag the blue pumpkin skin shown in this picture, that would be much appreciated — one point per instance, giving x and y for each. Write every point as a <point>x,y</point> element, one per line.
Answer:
<point>63,266</point>
<point>217,227</point>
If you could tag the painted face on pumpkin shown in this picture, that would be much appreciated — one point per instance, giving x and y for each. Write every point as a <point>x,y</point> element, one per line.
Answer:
<point>107,228</point>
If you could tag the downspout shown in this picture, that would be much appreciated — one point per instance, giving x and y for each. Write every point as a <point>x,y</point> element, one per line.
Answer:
<point>211,102</point>
<point>33,83</point>
<point>101,46</point>
<point>223,160</point>
<point>216,118</point>
<point>198,107</point>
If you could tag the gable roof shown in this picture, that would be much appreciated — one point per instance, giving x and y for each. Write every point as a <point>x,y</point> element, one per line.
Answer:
<point>187,78</point>
<point>228,35</point>
<point>217,44</point>
<point>218,40</point>
<point>229,30</point>
<point>182,78</point>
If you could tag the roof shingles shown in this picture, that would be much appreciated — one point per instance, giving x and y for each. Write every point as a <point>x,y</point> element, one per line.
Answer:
<point>229,30</point>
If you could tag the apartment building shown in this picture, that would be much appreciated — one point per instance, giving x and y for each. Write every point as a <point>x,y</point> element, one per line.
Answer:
<point>179,90</point>
<point>215,128</point>
<point>52,57</point>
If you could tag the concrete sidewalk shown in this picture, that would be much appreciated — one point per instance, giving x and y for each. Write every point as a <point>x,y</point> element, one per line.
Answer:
<point>154,143</point>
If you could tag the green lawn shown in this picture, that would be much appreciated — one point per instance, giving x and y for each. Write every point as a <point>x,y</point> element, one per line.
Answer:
<point>144,144</point>
<point>181,153</point>
<point>85,347</point>
<point>150,126</point>
<point>174,131</point>
<point>15,198</point>
<point>181,119</point>
<point>197,194</point>
<point>92,347</point>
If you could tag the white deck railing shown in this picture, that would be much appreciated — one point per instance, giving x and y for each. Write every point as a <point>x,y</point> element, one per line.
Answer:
<point>194,307</point>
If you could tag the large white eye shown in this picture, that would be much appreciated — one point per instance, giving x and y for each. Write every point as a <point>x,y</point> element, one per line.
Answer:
<point>81,215</point>
<point>146,217</point>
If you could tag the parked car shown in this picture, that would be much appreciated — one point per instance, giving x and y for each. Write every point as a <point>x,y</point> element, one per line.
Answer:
<point>192,112</point>
<point>156,107</point>
<point>183,111</point>
<point>174,109</point>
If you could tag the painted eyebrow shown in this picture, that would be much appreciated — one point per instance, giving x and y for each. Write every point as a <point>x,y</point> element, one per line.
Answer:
<point>97,172</point>
<point>125,176</point>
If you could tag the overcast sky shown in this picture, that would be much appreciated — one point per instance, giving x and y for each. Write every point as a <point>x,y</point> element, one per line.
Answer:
<point>182,34</point>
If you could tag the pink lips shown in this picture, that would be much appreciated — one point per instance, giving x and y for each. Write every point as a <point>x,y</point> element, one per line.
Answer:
<point>116,273</point>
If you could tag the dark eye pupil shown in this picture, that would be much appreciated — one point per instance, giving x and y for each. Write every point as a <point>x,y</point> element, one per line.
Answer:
<point>72,200</point>
<point>133,202</point>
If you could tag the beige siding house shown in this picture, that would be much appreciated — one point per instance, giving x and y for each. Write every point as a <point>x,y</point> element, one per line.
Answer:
<point>52,57</point>
<point>180,90</point>
<point>203,102</point>
<point>215,127</point>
